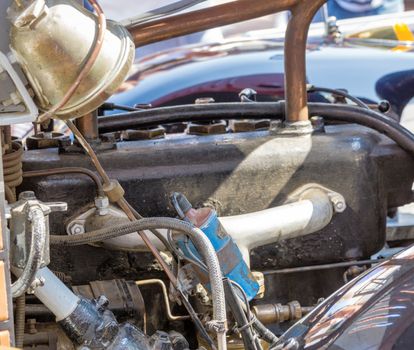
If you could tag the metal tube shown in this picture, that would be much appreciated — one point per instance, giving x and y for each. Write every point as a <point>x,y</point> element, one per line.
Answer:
<point>58,298</point>
<point>68,170</point>
<point>323,267</point>
<point>212,17</point>
<point>295,59</point>
<point>241,10</point>
<point>88,125</point>
<point>309,214</point>
<point>161,283</point>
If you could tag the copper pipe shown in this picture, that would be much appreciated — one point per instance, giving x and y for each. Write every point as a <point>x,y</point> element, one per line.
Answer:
<point>295,59</point>
<point>68,170</point>
<point>86,67</point>
<point>295,42</point>
<point>212,17</point>
<point>87,147</point>
<point>88,125</point>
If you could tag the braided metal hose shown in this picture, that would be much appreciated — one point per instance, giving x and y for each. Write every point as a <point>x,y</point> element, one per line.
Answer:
<point>198,238</point>
<point>34,261</point>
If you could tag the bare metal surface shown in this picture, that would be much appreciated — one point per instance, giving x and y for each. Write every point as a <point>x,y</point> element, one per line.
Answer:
<point>52,52</point>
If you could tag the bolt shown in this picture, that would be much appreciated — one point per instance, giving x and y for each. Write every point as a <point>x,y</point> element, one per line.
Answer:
<point>248,95</point>
<point>338,203</point>
<point>27,195</point>
<point>318,123</point>
<point>102,204</point>
<point>37,282</point>
<point>204,100</point>
<point>76,228</point>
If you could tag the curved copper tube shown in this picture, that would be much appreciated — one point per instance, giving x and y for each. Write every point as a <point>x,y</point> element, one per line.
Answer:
<point>295,59</point>
<point>241,10</point>
<point>212,17</point>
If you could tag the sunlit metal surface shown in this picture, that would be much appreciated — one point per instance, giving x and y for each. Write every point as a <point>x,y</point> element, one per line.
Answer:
<point>375,311</point>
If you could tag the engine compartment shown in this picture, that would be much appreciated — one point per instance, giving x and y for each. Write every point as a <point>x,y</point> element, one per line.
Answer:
<point>184,232</point>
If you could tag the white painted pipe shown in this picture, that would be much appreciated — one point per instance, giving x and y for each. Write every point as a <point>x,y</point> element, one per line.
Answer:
<point>308,215</point>
<point>312,212</point>
<point>53,293</point>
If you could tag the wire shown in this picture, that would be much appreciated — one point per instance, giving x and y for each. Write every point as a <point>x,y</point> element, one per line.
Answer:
<point>181,255</point>
<point>338,92</point>
<point>95,50</point>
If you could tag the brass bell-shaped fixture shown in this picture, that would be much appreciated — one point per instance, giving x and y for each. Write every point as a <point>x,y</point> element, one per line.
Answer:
<point>52,40</point>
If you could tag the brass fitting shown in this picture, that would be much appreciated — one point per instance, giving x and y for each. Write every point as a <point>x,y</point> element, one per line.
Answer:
<point>278,313</point>
<point>114,191</point>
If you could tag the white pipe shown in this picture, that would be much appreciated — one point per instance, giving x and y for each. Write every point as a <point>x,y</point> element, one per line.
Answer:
<point>312,212</point>
<point>53,293</point>
<point>306,216</point>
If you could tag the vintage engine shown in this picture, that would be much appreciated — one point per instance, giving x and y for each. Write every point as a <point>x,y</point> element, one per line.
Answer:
<point>186,241</point>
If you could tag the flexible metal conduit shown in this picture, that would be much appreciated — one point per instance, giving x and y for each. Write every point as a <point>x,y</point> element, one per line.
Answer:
<point>197,236</point>
<point>34,260</point>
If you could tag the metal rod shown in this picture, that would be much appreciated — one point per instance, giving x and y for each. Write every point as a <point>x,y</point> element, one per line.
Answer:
<point>323,267</point>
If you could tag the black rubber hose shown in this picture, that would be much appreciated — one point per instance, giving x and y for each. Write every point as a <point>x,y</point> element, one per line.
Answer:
<point>366,117</point>
<point>239,316</point>
<point>338,92</point>
<point>264,332</point>
<point>257,111</point>
<point>187,113</point>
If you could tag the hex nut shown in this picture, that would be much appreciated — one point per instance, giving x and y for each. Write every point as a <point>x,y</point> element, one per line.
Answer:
<point>76,228</point>
<point>338,203</point>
